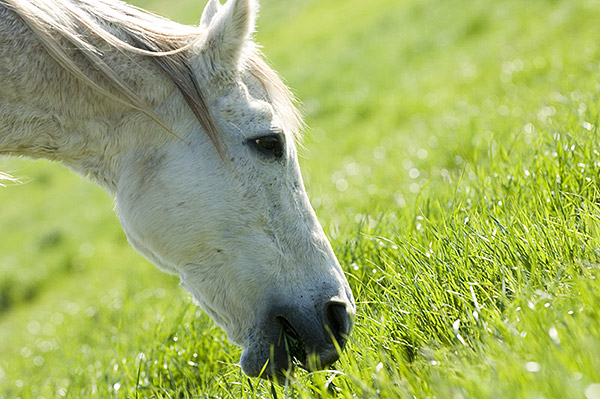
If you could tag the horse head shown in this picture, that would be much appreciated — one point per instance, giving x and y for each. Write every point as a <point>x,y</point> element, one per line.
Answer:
<point>231,217</point>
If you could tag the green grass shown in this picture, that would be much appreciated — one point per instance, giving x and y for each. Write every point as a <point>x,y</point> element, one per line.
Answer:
<point>453,158</point>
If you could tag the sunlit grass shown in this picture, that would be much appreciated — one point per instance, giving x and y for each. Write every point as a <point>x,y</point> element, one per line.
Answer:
<point>453,159</point>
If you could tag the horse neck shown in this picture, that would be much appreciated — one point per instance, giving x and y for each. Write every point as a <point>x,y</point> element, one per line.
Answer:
<point>45,112</point>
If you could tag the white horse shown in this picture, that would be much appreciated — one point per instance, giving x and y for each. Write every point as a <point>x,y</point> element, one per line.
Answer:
<point>194,135</point>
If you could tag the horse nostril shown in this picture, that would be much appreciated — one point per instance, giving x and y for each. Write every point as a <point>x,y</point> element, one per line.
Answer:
<point>338,321</point>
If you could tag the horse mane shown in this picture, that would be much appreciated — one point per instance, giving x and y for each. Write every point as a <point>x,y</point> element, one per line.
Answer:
<point>136,31</point>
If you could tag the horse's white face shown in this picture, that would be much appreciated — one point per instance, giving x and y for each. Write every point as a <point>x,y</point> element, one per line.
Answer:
<point>240,230</point>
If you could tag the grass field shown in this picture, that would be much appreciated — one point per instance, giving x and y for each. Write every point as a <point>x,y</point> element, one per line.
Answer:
<point>453,159</point>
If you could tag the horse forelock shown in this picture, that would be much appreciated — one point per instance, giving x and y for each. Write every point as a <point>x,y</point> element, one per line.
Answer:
<point>133,30</point>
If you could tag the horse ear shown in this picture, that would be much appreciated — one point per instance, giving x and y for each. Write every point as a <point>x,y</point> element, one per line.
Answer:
<point>210,10</point>
<point>229,30</point>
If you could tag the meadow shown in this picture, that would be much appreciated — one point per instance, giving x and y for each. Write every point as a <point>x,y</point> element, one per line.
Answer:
<point>452,157</point>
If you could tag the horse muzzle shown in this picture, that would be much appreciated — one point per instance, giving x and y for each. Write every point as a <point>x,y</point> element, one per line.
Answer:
<point>312,337</point>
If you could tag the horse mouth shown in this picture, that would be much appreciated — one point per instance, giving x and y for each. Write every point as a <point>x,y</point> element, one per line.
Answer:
<point>293,344</point>
<point>290,351</point>
<point>293,337</point>
<point>287,352</point>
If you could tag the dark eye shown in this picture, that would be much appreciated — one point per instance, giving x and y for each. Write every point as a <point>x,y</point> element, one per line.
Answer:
<point>270,145</point>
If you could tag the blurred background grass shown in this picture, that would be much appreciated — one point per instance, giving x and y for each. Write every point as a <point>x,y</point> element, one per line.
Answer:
<point>452,148</point>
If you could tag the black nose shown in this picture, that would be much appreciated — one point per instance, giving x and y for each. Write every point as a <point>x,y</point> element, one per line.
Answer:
<point>310,336</point>
<point>338,321</point>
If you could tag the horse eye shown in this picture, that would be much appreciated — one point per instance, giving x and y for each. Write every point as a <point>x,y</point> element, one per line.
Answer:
<point>271,145</point>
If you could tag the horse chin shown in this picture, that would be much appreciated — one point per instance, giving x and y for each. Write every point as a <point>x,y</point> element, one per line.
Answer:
<point>273,352</point>
<point>269,361</point>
